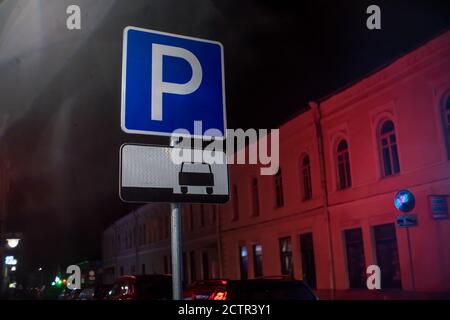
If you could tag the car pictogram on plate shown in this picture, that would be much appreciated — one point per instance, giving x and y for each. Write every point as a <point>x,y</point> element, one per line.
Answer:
<point>188,177</point>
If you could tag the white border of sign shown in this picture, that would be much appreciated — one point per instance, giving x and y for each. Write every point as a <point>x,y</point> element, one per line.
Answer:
<point>124,73</point>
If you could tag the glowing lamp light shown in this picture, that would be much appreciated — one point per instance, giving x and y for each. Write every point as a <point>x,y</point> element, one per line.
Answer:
<point>404,201</point>
<point>12,243</point>
<point>13,268</point>
<point>10,261</point>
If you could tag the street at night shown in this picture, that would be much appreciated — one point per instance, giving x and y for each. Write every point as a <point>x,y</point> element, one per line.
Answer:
<point>251,152</point>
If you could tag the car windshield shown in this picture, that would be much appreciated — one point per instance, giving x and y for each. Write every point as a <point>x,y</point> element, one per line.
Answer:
<point>196,167</point>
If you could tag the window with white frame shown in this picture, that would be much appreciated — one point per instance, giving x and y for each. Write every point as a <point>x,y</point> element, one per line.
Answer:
<point>388,149</point>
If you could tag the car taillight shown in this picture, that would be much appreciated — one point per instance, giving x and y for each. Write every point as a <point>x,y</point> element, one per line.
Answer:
<point>219,295</point>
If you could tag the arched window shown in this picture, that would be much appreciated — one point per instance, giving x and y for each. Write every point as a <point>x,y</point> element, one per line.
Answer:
<point>279,197</point>
<point>446,119</point>
<point>343,165</point>
<point>305,170</point>
<point>388,149</point>
<point>255,197</point>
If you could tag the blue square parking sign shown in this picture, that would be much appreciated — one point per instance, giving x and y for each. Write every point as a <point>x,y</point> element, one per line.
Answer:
<point>169,82</point>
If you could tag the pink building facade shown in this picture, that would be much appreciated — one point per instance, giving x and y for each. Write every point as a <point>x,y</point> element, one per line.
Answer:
<point>330,213</point>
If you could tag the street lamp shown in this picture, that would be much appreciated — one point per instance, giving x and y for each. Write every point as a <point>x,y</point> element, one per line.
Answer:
<point>8,242</point>
<point>12,243</point>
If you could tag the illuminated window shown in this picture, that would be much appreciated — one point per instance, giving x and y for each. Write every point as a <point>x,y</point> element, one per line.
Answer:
<point>255,197</point>
<point>243,262</point>
<point>306,178</point>
<point>446,118</point>
<point>343,165</point>
<point>388,149</point>
<point>279,189</point>
<point>235,203</point>
<point>286,255</point>
<point>257,260</point>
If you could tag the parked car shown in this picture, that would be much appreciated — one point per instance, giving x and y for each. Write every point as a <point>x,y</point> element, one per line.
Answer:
<point>142,287</point>
<point>274,288</point>
<point>98,292</point>
<point>101,291</point>
<point>73,295</point>
<point>87,294</point>
<point>64,294</point>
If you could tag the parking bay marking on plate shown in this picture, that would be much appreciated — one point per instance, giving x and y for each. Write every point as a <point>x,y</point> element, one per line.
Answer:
<point>148,174</point>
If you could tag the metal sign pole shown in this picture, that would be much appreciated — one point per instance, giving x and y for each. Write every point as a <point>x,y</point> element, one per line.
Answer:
<point>413,284</point>
<point>175,225</point>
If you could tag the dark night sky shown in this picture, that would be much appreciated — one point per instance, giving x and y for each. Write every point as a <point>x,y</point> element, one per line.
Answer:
<point>60,90</point>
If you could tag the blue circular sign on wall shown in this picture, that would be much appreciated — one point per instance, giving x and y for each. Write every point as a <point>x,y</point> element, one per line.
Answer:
<point>404,201</point>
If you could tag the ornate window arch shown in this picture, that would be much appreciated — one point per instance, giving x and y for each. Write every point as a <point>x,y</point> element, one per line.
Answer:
<point>279,195</point>
<point>388,148</point>
<point>255,197</point>
<point>445,112</point>
<point>342,158</point>
<point>305,177</point>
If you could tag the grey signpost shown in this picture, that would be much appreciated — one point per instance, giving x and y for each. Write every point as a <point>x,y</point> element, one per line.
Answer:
<point>175,245</point>
<point>405,202</point>
<point>177,265</point>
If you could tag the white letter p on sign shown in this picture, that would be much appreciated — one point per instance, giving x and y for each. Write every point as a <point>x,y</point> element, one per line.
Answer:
<point>159,86</point>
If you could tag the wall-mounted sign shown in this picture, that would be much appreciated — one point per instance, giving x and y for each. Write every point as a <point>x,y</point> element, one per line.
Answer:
<point>439,206</point>
<point>407,220</point>
<point>404,201</point>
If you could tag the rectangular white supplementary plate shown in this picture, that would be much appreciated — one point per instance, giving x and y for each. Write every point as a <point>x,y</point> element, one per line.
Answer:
<point>152,174</point>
